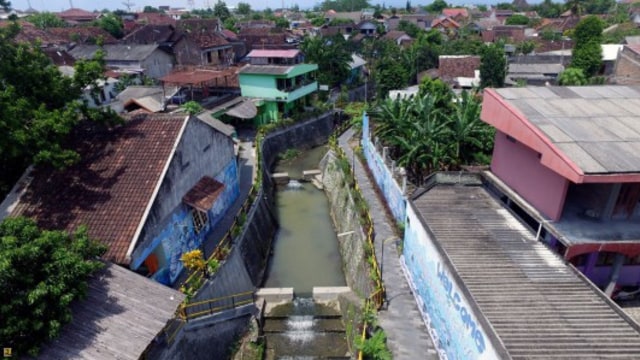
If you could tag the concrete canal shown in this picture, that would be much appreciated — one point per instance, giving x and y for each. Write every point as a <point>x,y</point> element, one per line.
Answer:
<point>305,250</point>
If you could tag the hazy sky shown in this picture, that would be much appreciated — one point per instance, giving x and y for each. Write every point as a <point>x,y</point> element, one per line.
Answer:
<point>58,5</point>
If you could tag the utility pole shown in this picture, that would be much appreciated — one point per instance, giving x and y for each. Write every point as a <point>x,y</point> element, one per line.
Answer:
<point>127,3</point>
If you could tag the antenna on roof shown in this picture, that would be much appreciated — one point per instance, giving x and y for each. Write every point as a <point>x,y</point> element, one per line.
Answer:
<point>128,4</point>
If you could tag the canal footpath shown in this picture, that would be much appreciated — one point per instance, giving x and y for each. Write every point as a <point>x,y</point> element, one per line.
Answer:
<point>407,335</point>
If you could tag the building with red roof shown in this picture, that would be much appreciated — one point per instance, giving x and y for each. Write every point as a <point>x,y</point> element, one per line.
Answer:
<point>149,189</point>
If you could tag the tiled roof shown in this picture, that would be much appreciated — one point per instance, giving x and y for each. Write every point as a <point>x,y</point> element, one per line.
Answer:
<point>59,57</point>
<point>453,12</point>
<point>119,52</point>
<point>537,305</point>
<point>83,34</point>
<point>110,187</point>
<point>150,34</point>
<point>458,65</point>
<point>155,19</point>
<point>76,14</point>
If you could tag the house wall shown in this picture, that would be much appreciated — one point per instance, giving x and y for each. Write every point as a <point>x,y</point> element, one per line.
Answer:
<point>452,319</point>
<point>258,86</point>
<point>202,151</point>
<point>158,64</point>
<point>519,167</point>
<point>601,275</point>
<point>627,69</point>
<point>186,52</point>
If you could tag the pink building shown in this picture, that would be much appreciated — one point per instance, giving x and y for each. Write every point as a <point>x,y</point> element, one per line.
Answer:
<point>567,160</point>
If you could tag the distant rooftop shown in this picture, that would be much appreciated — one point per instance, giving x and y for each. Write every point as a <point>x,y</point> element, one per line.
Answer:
<point>537,305</point>
<point>582,133</point>
<point>274,53</point>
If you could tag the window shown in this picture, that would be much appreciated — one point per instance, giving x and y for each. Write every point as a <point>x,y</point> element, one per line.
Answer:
<point>606,258</point>
<point>199,220</point>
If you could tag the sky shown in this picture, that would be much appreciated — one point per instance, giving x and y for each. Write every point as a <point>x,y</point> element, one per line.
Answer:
<point>58,5</point>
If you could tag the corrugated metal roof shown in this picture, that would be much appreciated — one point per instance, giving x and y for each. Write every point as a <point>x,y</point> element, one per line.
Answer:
<point>537,305</point>
<point>597,127</point>
<point>274,53</point>
<point>266,69</point>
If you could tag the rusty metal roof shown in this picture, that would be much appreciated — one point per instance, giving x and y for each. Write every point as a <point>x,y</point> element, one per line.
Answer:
<point>537,305</point>
<point>203,194</point>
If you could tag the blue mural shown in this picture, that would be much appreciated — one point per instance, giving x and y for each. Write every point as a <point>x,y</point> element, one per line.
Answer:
<point>383,176</point>
<point>180,235</point>
<point>453,325</point>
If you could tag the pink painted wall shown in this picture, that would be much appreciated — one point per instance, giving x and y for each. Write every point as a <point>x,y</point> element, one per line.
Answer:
<point>519,167</point>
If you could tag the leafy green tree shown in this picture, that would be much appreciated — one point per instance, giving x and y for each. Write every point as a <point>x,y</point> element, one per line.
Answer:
<point>344,5</point>
<point>281,23</point>
<point>244,8</point>
<point>572,77</point>
<point>548,9</point>
<point>332,56</point>
<point>221,11</point>
<point>112,24</point>
<point>441,92</point>
<point>587,53</point>
<point>436,6</point>
<point>150,9</point>
<point>410,28</point>
<point>517,19</point>
<point>45,20</point>
<point>408,7</point>
<point>493,66</point>
<point>192,107</point>
<point>41,273</point>
<point>230,24</point>
<point>39,107</point>
<point>526,47</point>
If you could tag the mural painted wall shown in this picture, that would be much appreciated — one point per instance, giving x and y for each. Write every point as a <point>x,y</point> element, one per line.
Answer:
<point>180,235</point>
<point>386,183</point>
<point>454,327</point>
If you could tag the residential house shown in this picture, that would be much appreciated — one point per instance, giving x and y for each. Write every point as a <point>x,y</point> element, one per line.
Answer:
<point>510,33</point>
<point>63,38</point>
<point>209,40</point>
<point>148,98</point>
<point>609,57</point>
<point>95,95</point>
<point>627,68</point>
<point>399,37</point>
<point>261,38</point>
<point>367,27</point>
<point>150,189</point>
<point>121,315</point>
<point>342,29</point>
<point>423,21</point>
<point>147,59</point>
<point>357,69</point>
<point>446,25</point>
<point>453,67</point>
<point>565,159</point>
<point>280,78</point>
<point>460,15</point>
<point>75,16</point>
<point>536,74</point>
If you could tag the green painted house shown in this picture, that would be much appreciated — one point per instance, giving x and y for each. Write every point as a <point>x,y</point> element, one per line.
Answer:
<point>280,80</point>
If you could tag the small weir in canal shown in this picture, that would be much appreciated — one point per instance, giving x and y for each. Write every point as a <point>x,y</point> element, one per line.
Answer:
<point>305,255</point>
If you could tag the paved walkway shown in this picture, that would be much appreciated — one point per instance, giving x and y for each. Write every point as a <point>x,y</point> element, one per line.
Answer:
<point>407,335</point>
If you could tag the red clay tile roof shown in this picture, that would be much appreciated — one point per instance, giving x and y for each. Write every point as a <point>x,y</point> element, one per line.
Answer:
<point>451,66</point>
<point>155,19</point>
<point>453,12</point>
<point>82,34</point>
<point>77,14</point>
<point>203,194</point>
<point>111,186</point>
<point>204,32</point>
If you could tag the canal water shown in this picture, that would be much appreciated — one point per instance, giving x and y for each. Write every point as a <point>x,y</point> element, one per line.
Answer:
<point>305,250</point>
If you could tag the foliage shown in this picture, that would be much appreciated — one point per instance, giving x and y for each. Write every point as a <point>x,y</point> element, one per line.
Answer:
<point>192,107</point>
<point>617,36</point>
<point>588,30</point>
<point>517,19</point>
<point>230,24</point>
<point>424,136</point>
<point>572,77</point>
<point>469,45</point>
<point>221,11</point>
<point>343,5</point>
<point>112,24</point>
<point>212,266</point>
<point>390,74</point>
<point>436,6</point>
<point>410,28</point>
<point>193,260</point>
<point>45,20</point>
<point>243,8</point>
<point>39,107</point>
<point>526,47</point>
<point>374,347</point>
<point>493,66</point>
<point>588,58</point>
<point>150,9</point>
<point>41,273</point>
<point>548,9</point>
<point>550,35</point>
<point>331,54</point>
<point>289,154</point>
<point>281,22</point>
<point>440,90</point>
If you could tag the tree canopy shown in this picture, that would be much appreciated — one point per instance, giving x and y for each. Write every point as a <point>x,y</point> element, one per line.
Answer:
<point>493,66</point>
<point>243,8</point>
<point>41,273</point>
<point>45,20</point>
<point>587,53</point>
<point>332,56</point>
<point>39,106</point>
<point>221,11</point>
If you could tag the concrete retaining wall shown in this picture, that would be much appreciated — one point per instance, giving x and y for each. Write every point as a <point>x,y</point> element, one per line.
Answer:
<point>346,221</point>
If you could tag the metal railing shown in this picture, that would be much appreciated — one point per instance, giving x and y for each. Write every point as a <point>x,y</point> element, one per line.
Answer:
<point>197,309</point>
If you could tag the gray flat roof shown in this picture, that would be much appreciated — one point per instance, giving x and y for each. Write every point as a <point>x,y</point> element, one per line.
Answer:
<point>597,127</point>
<point>120,317</point>
<point>537,305</point>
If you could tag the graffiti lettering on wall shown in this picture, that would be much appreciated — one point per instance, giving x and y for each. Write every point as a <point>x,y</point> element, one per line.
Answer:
<point>447,313</point>
<point>456,301</point>
<point>383,176</point>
